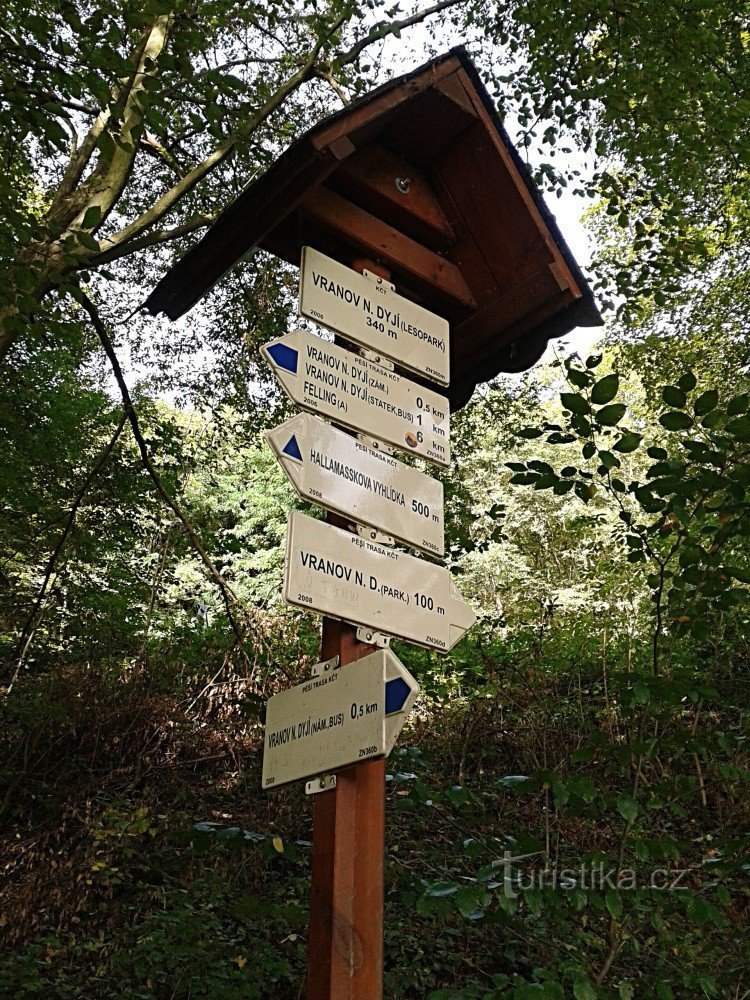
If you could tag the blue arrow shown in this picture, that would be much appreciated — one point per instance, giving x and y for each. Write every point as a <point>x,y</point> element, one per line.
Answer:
<point>396,693</point>
<point>291,448</point>
<point>285,357</point>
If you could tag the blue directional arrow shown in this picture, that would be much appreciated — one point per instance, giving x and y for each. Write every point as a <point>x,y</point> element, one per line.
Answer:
<point>291,448</point>
<point>396,693</point>
<point>285,357</point>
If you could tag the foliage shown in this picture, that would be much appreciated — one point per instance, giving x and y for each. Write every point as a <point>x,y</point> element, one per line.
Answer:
<point>656,95</point>
<point>595,720</point>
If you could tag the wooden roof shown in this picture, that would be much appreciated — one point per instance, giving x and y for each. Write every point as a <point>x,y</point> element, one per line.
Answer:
<point>421,176</point>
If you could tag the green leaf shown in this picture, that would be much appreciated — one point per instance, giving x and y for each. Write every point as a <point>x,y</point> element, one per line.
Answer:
<point>610,415</point>
<point>613,903</point>
<point>510,780</point>
<point>676,420</point>
<point>87,240</point>
<point>574,402</point>
<point>628,442</point>
<point>627,807</point>
<point>583,787</point>
<point>589,449</point>
<point>438,889</point>
<point>641,693</point>
<point>738,404</point>
<point>583,989</point>
<point>738,573</point>
<point>92,217</point>
<point>578,378</point>
<point>706,402</point>
<point>673,396</point>
<point>687,382</point>
<point>712,419</point>
<point>470,901</point>
<point>562,487</point>
<point>605,389</point>
<point>543,467</point>
<point>740,428</point>
<point>529,432</point>
<point>608,460</point>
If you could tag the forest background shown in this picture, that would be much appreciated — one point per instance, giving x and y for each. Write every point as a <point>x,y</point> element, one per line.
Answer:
<point>596,717</point>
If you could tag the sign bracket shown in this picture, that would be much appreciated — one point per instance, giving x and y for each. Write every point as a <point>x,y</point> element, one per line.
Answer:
<point>375,536</point>
<point>376,359</point>
<point>322,668</point>
<point>378,639</point>
<point>323,783</point>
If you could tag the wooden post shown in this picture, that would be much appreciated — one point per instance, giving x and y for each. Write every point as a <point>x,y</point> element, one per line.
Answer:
<point>345,934</point>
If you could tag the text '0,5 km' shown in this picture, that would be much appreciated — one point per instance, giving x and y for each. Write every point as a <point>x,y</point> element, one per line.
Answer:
<point>358,394</point>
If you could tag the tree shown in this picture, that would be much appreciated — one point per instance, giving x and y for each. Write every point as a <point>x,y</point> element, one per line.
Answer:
<point>655,96</point>
<point>91,97</point>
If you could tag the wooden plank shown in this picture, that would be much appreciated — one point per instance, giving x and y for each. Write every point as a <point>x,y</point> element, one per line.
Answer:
<point>427,125</point>
<point>479,336</point>
<point>381,103</point>
<point>453,88</point>
<point>377,239</point>
<point>492,208</point>
<point>369,178</point>
<point>465,254</point>
<point>524,193</point>
<point>244,224</point>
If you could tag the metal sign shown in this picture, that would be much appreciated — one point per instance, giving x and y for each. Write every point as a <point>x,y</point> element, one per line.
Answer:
<point>338,717</point>
<point>359,394</point>
<point>331,468</point>
<point>339,574</point>
<point>368,310</point>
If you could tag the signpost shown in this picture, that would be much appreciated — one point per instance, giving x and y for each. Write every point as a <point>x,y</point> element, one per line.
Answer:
<point>340,721</point>
<point>420,177</point>
<point>366,309</point>
<point>361,395</point>
<point>331,468</point>
<point>338,717</point>
<point>344,576</point>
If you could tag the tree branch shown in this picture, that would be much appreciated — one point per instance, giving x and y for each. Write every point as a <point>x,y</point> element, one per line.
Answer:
<point>324,73</point>
<point>116,251</point>
<point>150,145</point>
<point>386,28</point>
<point>23,645</point>
<point>178,191</point>
<point>227,594</point>
<point>59,208</point>
<point>111,172</point>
